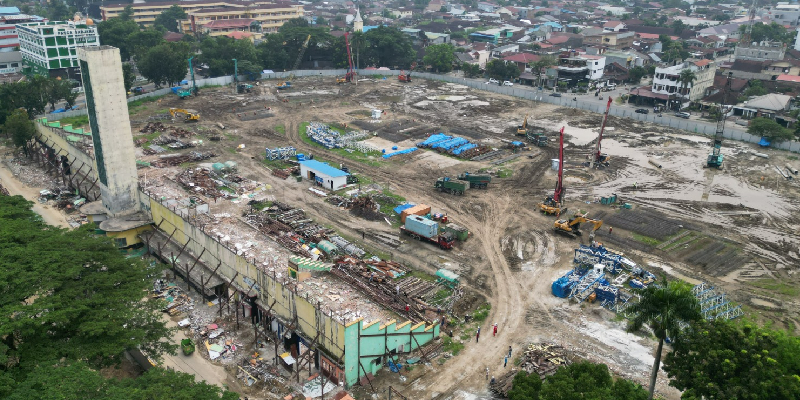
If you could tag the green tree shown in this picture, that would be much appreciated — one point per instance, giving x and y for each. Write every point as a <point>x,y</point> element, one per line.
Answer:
<point>770,129</point>
<point>540,66</point>
<point>128,76</point>
<point>502,70</point>
<point>771,32</point>
<point>127,13</point>
<point>168,19</point>
<point>116,32</point>
<point>471,70</point>
<point>21,129</point>
<point>756,89</point>
<point>143,40</point>
<point>57,90</point>
<point>725,360</point>
<point>636,74</point>
<point>58,11</point>
<point>322,21</point>
<point>388,47</point>
<point>674,52</point>
<point>70,294</point>
<point>272,55</point>
<point>581,380</point>
<point>162,384</point>
<point>525,386</point>
<point>165,64</point>
<point>664,308</point>
<point>677,26</point>
<point>686,78</point>
<point>218,53</point>
<point>440,57</point>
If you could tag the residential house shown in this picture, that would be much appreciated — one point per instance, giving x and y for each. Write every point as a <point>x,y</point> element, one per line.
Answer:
<point>488,7</point>
<point>615,73</point>
<point>615,26</point>
<point>773,106</point>
<point>613,40</point>
<point>666,81</point>
<point>787,15</point>
<point>509,48</point>
<point>402,13</point>
<point>224,27</point>
<point>522,60</point>
<point>760,52</point>
<point>574,68</point>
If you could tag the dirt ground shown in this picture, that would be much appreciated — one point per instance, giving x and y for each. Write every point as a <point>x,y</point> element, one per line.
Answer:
<point>741,220</point>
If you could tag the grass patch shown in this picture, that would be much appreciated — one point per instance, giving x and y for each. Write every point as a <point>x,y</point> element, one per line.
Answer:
<point>76,122</point>
<point>262,205</point>
<point>793,158</point>
<point>387,205</point>
<point>370,158</point>
<point>646,239</point>
<point>452,346</point>
<point>481,313</point>
<point>441,295</point>
<point>227,189</point>
<point>423,276</point>
<point>280,129</point>
<point>276,164</point>
<point>143,102</point>
<point>776,287</point>
<point>504,172</point>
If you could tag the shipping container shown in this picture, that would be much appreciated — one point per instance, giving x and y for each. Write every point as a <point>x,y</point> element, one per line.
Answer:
<point>422,226</point>
<point>419,209</point>
<point>459,232</point>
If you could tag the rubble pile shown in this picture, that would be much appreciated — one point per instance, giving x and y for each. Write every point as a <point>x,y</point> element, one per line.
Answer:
<point>290,227</point>
<point>172,160</point>
<point>541,358</point>
<point>3,191</point>
<point>286,172</point>
<point>367,208</point>
<point>198,180</point>
<point>28,172</point>
<point>152,127</point>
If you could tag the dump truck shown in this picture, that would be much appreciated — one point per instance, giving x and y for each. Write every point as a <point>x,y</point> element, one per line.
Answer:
<point>537,138</point>
<point>450,186</point>
<point>421,228</point>
<point>476,181</point>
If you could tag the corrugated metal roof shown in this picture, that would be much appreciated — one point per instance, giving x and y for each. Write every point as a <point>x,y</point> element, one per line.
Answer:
<point>323,168</point>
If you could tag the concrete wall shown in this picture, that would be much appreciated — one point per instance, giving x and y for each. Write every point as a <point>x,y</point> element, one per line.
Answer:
<point>101,68</point>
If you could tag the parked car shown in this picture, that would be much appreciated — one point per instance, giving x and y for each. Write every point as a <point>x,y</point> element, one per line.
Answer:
<point>492,80</point>
<point>555,94</point>
<point>682,114</point>
<point>507,83</point>
<point>642,111</point>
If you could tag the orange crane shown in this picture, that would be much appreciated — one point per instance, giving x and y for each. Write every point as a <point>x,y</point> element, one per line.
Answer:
<point>599,158</point>
<point>351,72</point>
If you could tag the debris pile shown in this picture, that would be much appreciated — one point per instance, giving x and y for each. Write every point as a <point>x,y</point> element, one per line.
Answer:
<point>365,207</point>
<point>542,358</point>
<point>153,127</point>
<point>3,191</point>
<point>177,159</point>
<point>290,227</point>
<point>198,180</point>
<point>286,172</point>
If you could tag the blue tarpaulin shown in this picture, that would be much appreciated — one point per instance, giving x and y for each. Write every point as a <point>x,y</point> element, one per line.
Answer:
<point>401,207</point>
<point>764,142</point>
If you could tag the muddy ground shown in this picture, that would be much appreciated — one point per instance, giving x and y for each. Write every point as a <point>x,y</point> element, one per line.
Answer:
<point>737,228</point>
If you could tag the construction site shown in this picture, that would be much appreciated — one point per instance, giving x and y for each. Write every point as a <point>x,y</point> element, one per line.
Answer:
<point>433,209</point>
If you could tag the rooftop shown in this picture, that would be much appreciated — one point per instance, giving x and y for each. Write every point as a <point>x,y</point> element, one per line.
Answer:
<point>128,222</point>
<point>229,23</point>
<point>772,102</point>
<point>323,168</point>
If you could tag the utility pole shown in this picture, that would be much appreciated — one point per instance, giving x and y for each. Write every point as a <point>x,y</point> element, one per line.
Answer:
<point>235,74</point>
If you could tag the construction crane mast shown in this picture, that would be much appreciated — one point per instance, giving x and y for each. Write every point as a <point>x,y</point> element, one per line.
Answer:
<point>751,16</point>
<point>350,71</point>
<point>552,204</point>
<point>288,83</point>
<point>715,158</point>
<point>598,158</point>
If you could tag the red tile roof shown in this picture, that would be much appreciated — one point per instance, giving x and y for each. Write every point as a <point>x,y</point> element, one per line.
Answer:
<point>788,78</point>
<point>522,58</point>
<point>702,63</point>
<point>229,23</point>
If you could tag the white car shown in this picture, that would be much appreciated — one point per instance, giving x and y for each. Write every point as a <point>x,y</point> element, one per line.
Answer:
<point>492,80</point>
<point>507,83</point>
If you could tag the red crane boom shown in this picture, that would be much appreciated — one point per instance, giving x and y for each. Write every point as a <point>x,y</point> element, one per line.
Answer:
<point>599,157</point>
<point>558,195</point>
<point>350,72</point>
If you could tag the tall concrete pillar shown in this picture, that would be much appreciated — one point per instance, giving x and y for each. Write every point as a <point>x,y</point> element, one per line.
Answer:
<point>101,70</point>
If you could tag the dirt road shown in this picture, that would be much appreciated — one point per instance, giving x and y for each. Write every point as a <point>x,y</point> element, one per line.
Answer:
<point>50,215</point>
<point>195,364</point>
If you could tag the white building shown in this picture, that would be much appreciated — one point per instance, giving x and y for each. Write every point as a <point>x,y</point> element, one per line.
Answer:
<point>50,48</point>
<point>323,174</point>
<point>666,80</point>
<point>581,67</point>
<point>10,56</point>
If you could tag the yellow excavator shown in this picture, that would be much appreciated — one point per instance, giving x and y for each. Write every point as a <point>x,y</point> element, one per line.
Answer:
<point>522,130</point>
<point>189,116</point>
<point>572,226</point>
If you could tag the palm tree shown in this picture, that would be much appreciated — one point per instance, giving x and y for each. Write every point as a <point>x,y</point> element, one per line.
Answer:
<point>665,309</point>
<point>686,78</point>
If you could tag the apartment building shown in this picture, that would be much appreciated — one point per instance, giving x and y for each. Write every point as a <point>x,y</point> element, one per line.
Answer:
<point>271,15</point>
<point>666,80</point>
<point>49,48</point>
<point>612,40</point>
<point>576,68</point>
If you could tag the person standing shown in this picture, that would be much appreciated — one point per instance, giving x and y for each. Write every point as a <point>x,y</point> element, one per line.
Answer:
<point>478,335</point>
<point>505,361</point>
<point>487,373</point>
<point>494,332</point>
<point>610,229</point>
<point>408,308</point>
<point>509,351</point>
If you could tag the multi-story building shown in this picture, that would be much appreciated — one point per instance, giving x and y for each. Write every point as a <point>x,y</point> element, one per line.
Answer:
<point>666,81</point>
<point>11,58</point>
<point>270,14</point>
<point>576,68</point>
<point>612,40</point>
<point>49,48</point>
<point>764,51</point>
<point>244,27</point>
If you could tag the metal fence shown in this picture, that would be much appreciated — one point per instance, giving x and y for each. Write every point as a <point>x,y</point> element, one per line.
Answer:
<point>523,92</point>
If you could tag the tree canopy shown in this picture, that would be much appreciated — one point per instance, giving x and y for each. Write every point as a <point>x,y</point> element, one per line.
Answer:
<point>116,32</point>
<point>772,32</point>
<point>770,129</point>
<point>440,57</point>
<point>20,127</point>
<point>726,360</point>
<point>502,70</point>
<point>218,53</point>
<point>165,64</point>
<point>168,19</point>
<point>582,380</point>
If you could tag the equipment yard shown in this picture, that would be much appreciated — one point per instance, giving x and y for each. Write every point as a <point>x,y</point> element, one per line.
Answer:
<point>734,228</point>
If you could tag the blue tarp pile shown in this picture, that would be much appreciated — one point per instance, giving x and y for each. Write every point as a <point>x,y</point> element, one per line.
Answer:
<point>397,153</point>
<point>452,144</point>
<point>764,142</point>
<point>401,207</point>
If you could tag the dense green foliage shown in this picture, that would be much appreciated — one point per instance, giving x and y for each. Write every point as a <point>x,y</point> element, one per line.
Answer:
<point>165,64</point>
<point>664,308</point>
<point>770,129</point>
<point>725,360</point>
<point>502,70</point>
<point>636,74</point>
<point>116,32</point>
<point>471,70</point>
<point>583,380</point>
<point>772,32</point>
<point>168,19</point>
<point>440,57</point>
<point>20,127</point>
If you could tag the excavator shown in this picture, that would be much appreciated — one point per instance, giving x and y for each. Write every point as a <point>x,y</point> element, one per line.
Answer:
<point>522,130</point>
<point>572,226</point>
<point>351,73</point>
<point>552,204</point>
<point>189,116</point>
<point>406,76</point>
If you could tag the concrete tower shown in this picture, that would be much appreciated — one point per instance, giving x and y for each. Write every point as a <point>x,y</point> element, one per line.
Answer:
<point>358,23</point>
<point>101,70</point>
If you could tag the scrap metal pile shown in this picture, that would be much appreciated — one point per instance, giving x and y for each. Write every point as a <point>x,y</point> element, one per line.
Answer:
<point>172,160</point>
<point>364,206</point>
<point>153,127</point>
<point>542,358</point>
<point>286,172</point>
<point>256,370</point>
<point>199,181</point>
<point>289,226</point>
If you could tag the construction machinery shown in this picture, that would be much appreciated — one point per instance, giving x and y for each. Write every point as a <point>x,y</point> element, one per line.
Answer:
<point>475,180</point>
<point>572,225</point>
<point>188,115</point>
<point>539,139</point>
<point>598,157</point>
<point>351,73</point>
<point>522,130</point>
<point>450,186</point>
<point>288,83</point>
<point>406,76</point>
<point>715,158</point>
<point>552,203</point>
<point>244,88</point>
<point>184,93</point>
<point>421,228</point>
